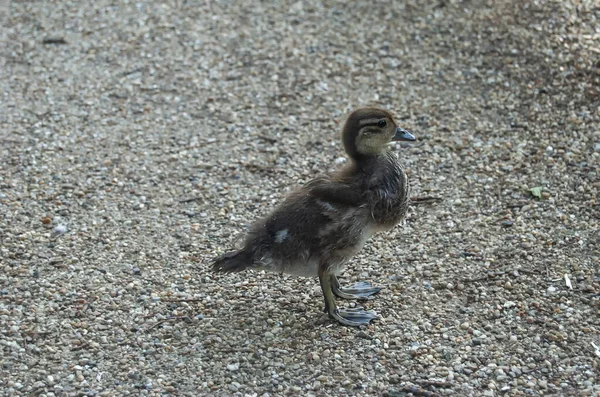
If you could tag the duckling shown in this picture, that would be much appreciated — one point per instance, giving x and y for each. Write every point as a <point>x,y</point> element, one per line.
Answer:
<point>322,225</point>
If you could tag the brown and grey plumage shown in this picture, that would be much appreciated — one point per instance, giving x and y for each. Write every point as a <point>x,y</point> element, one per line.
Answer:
<point>320,226</point>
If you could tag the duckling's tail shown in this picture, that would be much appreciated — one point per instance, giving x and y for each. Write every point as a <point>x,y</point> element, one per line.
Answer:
<point>232,262</point>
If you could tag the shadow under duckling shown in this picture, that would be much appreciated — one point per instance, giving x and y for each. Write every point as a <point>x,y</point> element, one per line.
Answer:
<point>323,224</point>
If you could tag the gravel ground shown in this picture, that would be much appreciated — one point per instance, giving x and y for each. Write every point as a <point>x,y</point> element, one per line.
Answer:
<point>139,139</point>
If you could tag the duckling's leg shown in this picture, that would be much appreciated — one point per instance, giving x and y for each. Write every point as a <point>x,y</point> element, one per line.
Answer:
<point>360,290</point>
<point>352,317</point>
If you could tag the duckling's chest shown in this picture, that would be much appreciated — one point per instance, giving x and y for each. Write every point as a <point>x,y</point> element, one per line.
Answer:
<point>388,196</point>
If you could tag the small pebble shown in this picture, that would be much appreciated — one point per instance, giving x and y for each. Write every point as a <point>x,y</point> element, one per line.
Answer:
<point>233,367</point>
<point>59,230</point>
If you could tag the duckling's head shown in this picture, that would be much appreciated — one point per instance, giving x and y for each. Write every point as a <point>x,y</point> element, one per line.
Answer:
<point>369,131</point>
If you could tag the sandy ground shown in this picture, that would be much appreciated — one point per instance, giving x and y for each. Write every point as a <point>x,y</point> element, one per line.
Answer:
<point>139,139</point>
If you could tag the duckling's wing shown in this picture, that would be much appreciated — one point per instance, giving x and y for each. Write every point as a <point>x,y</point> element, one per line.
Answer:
<point>304,231</point>
<point>334,192</point>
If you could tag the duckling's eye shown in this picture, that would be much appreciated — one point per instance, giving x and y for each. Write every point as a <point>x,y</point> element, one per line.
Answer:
<point>382,123</point>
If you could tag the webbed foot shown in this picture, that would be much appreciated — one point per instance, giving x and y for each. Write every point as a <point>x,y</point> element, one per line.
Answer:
<point>360,290</point>
<point>353,317</point>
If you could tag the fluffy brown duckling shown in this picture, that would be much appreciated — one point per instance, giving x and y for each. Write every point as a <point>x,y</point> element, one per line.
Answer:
<point>320,226</point>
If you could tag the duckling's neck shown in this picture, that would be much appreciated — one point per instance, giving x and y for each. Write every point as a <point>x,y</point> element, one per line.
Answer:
<point>372,148</point>
<point>375,157</point>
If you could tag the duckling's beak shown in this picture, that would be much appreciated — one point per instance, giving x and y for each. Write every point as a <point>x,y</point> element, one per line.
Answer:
<point>403,135</point>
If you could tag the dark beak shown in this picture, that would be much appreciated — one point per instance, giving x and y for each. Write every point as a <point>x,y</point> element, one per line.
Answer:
<point>403,135</point>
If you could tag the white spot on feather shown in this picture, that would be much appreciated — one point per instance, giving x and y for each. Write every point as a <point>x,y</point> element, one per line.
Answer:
<point>281,236</point>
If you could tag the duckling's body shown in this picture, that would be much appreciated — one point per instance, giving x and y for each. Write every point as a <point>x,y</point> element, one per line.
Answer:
<point>320,226</point>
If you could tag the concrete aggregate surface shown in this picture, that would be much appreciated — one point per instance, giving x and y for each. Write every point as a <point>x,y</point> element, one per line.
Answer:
<point>138,140</point>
